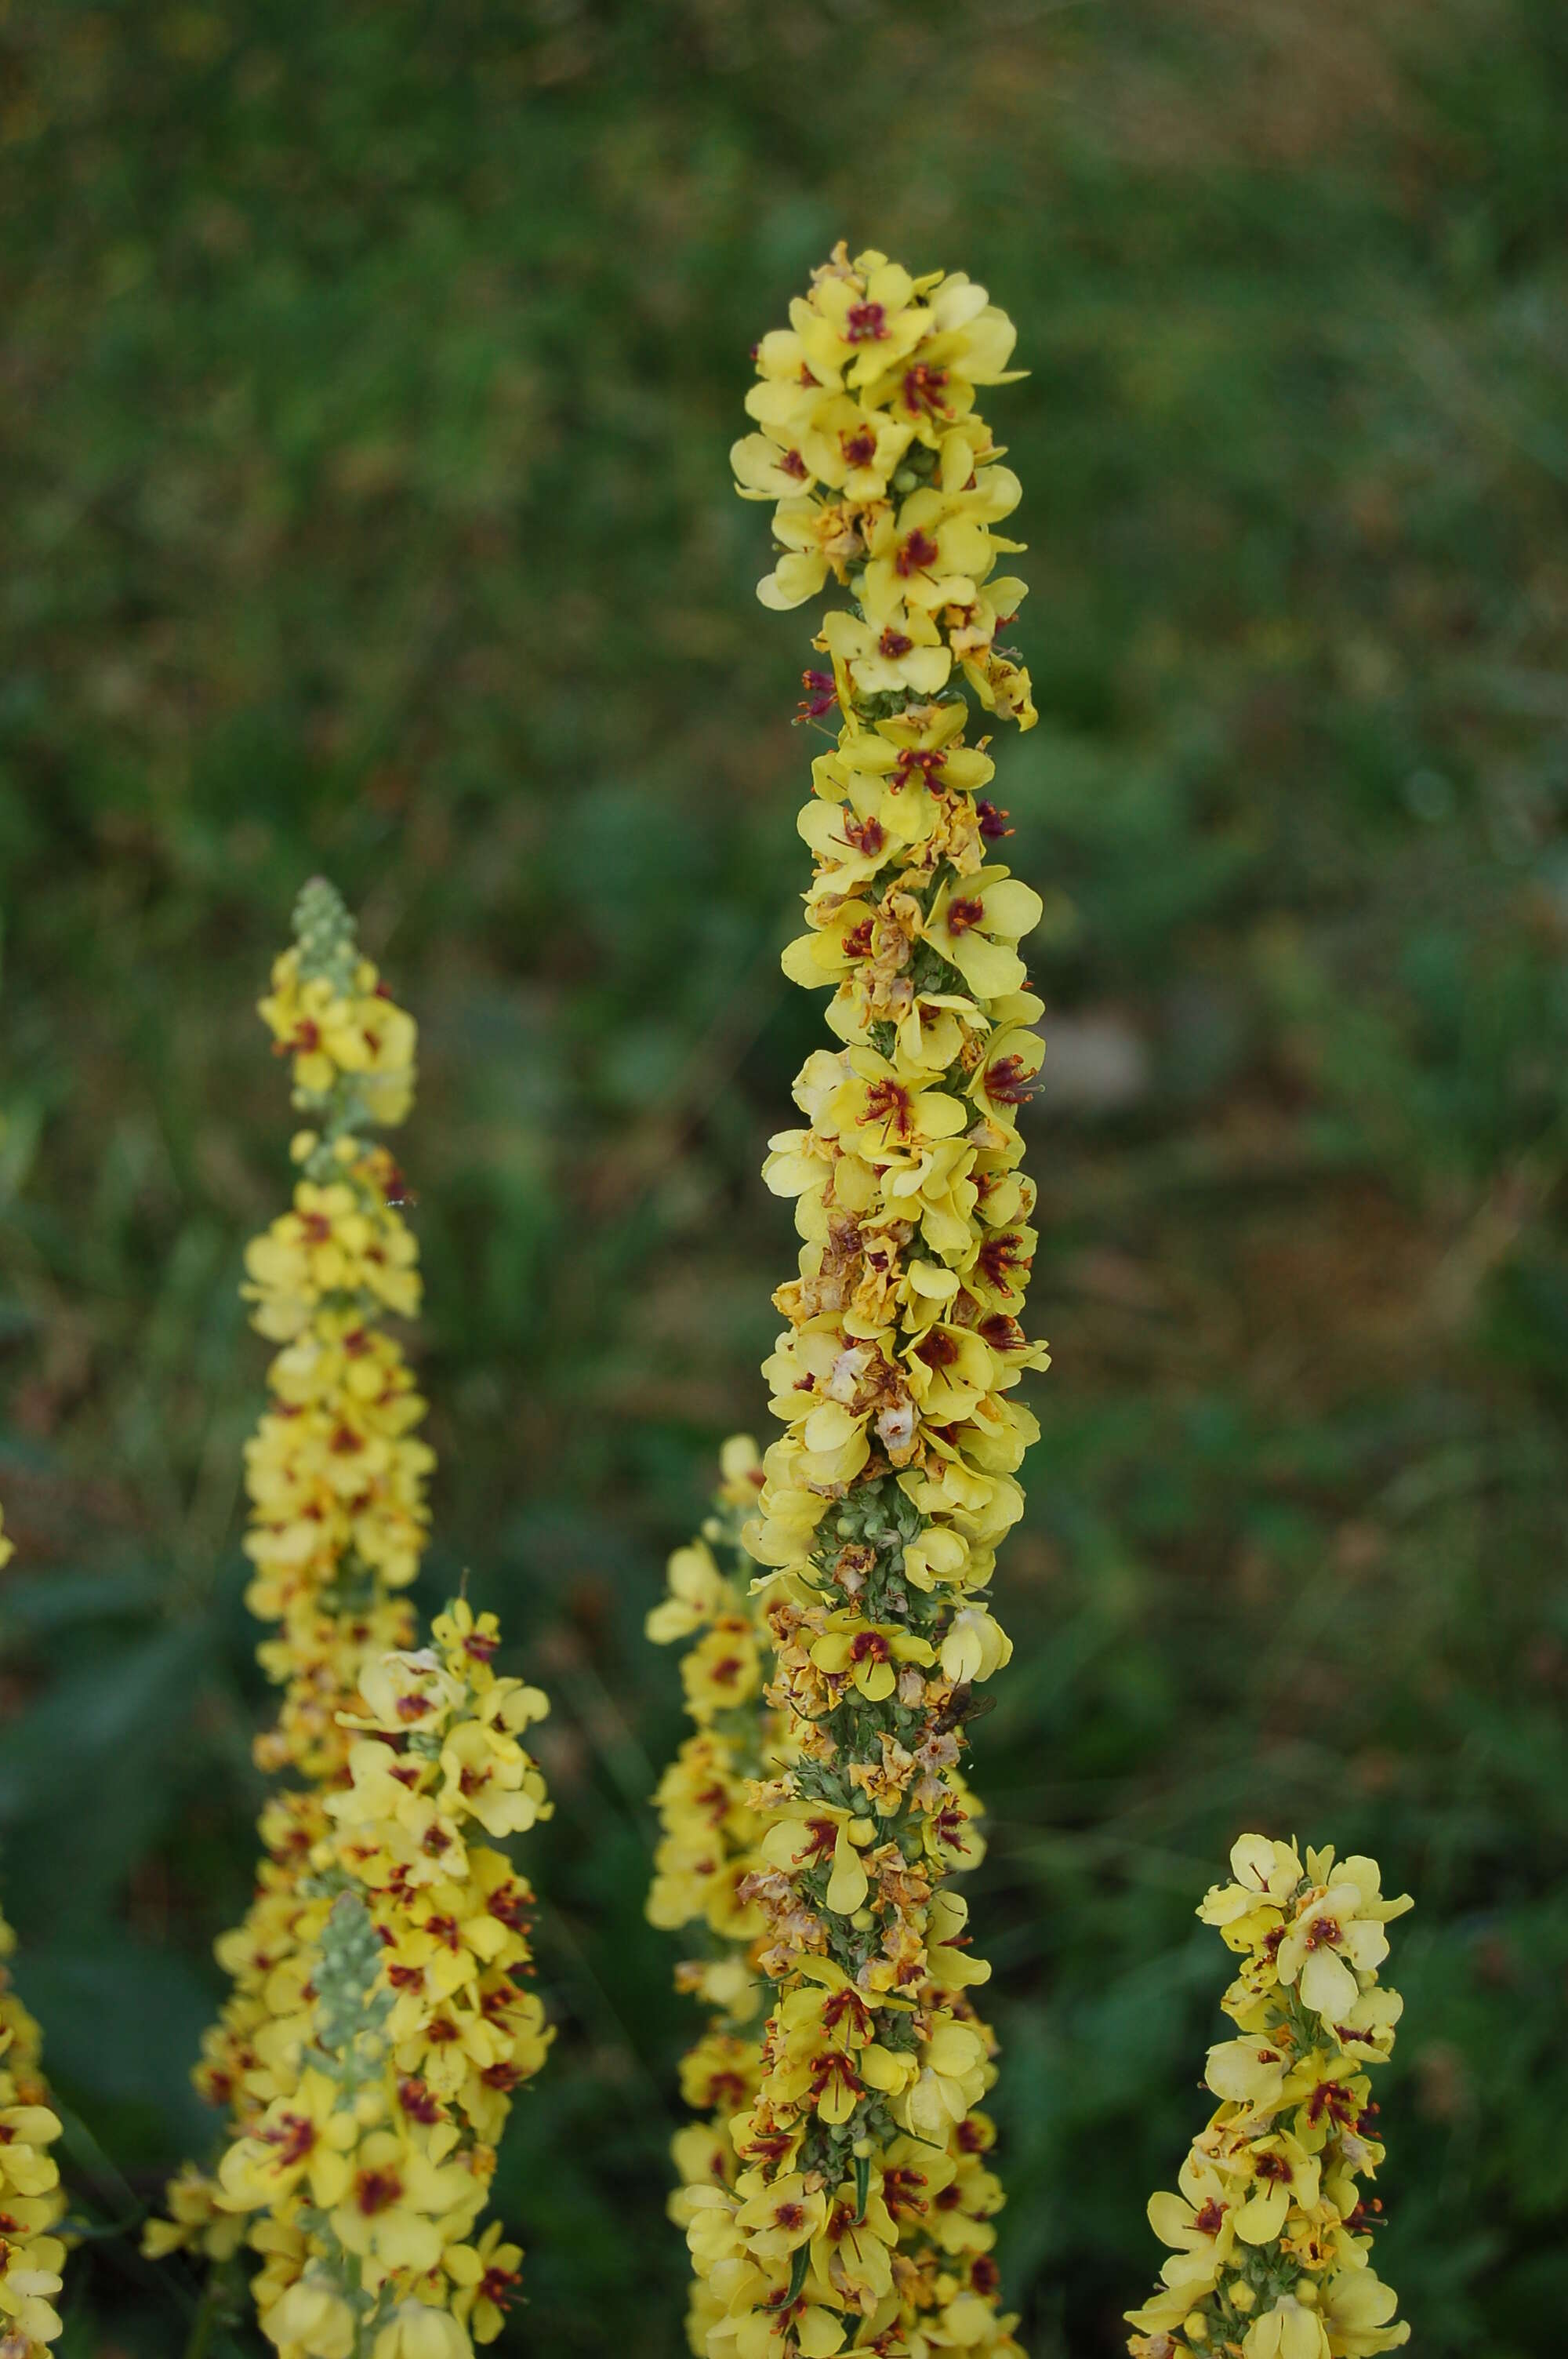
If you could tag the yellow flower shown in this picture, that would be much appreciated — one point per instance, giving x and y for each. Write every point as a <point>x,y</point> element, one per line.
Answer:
<point>1358,2309</point>
<point>486,2275</point>
<point>1200,2221</point>
<point>303,2136</point>
<point>935,551</point>
<point>1283,2178</point>
<point>868,1653</point>
<point>850,2251</point>
<point>1264,1870</point>
<point>714,2072</point>
<point>780,2328</point>
<point>1249,2072</point>
<point>311,2318</point>
<point>1335,1937</point>
<point>474,1638</point>
<point>818,538</point>
<point>722,1671</point>
<point>975,1645</point>
<point>390,2207</point>
<point>195,2220</point>
<point>29,2277</point>
<point>1288,2330</point>
<point>492,1774</point>
<point>782,2215</point>
<point>909,653</point>
<point>812,1834</point>
<point>417,2332</point>
<point>976,924</point>
<point>699,1595</point>
<point>950,2081</point>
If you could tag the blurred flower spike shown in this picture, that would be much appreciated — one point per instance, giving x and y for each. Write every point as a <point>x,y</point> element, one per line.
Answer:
<point>859,2212</point>
<point>31,2202</point>
<point>708,1833</point>
<point>1271,2235</point>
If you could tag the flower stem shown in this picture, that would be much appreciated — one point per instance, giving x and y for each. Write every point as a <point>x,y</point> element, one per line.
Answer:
<point>201,2325</point>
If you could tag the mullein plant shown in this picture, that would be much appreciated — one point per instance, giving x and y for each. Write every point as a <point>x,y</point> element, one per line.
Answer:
<point>31,2200</point>
<point>883,1501</point>
<point>389,2076</point>
<point>1270,2233</point>
<point>709,1832</point>
<point>708,1851</point>
<point>377,2023</point>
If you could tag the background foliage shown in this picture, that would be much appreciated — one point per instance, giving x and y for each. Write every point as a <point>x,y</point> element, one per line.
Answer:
<point>370,372</point>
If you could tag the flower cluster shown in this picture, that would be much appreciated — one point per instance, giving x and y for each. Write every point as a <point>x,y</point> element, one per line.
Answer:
<point>886,479</point>
<point>335,1475</point>
<point>709,1832</point>
<point>859,2216</point>
<point>335,1472</point>
<point>31,2202</point>
<point>383,2075</point>
<point>1270,2234</point>
<point>708,1856</point>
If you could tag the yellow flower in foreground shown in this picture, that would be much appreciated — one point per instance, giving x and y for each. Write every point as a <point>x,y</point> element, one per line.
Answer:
<point>1270,2236</point>
<point>417,2332</point>
<point>1288,2331</point>
<point>299,2139</point>
<point>311,2318</point>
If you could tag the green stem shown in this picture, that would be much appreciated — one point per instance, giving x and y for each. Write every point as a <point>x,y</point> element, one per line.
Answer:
<point>203,2322</point>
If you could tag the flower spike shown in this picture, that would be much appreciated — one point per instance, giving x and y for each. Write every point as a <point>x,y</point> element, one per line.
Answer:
<point>708,1834</point>
<point>1271,2235</point>
<point>31,2255</point>
<point>860,2214</point>
<point>378,2021</point>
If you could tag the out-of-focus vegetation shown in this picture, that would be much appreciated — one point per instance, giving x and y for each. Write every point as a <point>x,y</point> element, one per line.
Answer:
<point>370,370</point>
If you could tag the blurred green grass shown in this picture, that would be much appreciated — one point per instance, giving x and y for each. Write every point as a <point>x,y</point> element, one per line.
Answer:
<point>370,372</point>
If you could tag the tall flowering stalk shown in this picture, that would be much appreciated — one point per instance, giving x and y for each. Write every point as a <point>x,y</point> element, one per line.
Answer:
<point>883,1501</point>
<point>361,2128</point>
<point>1270,2234</point>
<point>335,1475</point>
<point>31,2200</point>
